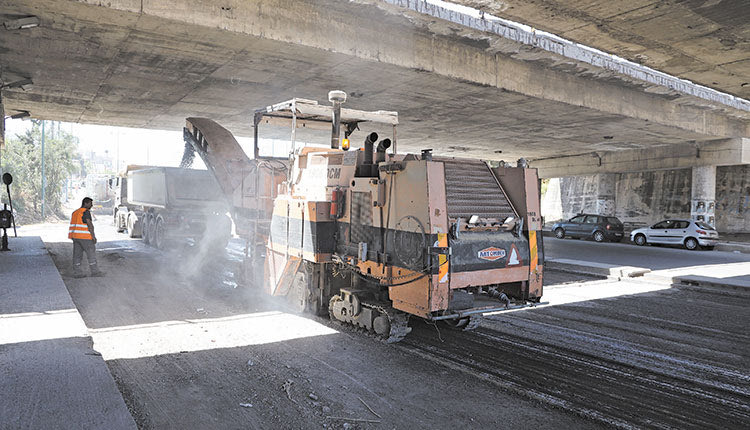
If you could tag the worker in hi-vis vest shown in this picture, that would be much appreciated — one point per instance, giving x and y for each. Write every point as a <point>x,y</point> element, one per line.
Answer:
<point>84,239</point>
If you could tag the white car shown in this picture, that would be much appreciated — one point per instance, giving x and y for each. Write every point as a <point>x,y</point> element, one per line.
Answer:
<point>688,233</point>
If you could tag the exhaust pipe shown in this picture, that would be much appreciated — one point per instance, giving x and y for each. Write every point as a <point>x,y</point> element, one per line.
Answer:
<point>369,144</point>
<point>336,97</point>
<point>382,146</point>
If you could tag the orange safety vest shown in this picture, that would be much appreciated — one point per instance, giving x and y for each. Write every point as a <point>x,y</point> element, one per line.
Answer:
<point>79,229</point>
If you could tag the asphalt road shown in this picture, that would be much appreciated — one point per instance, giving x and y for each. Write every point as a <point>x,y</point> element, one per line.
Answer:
<point>191,348</point>
<point>671,260</point>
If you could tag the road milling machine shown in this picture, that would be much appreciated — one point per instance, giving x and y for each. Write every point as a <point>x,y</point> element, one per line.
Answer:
<point>371,236</point>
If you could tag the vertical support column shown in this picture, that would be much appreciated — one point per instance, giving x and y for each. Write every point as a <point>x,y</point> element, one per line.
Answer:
<point>552,208</point>
<point>2,132</point>
<point>604,203</point>
<point>703,200</point>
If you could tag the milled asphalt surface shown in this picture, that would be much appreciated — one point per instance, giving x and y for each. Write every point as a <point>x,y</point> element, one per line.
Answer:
<point>50,377</point>
<point>662,260</point>
<point>629,353</point>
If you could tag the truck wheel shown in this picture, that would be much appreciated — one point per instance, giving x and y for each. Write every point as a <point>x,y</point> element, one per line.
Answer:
<point>145,228</point>
<point>132,226</point>
<point>152,230</point>
<point>121,221</point>
<point>160,234</point>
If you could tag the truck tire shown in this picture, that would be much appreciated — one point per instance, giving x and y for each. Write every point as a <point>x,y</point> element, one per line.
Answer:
<point>152,230</point>
<point>145,227</point>
<point>120,221</point>
<point>133,226</point>
<point>160,234</point>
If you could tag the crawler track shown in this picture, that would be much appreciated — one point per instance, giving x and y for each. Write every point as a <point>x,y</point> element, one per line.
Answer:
<point>612,390</point>
<point>398,322</point>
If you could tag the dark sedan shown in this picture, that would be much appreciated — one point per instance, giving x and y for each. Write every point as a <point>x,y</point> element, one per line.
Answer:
<point>589,226</point>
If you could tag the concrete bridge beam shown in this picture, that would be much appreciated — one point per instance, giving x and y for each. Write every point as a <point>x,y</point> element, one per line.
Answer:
<point>467,86</point>
<point>722,152</point>
<point>417,42</point>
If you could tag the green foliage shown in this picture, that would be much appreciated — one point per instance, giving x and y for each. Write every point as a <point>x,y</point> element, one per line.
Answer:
<point>22,157</point>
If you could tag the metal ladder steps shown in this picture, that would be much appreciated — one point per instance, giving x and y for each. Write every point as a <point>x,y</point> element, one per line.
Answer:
<point>489,193</point>
<point>488,201</point>
<point>474,172</point>
<point>467,212</point>
<point>470,206</point>
<point>470,179</point>
<point>471,182</point>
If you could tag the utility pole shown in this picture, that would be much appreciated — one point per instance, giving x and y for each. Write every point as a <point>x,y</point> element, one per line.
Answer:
<point>43,177</point>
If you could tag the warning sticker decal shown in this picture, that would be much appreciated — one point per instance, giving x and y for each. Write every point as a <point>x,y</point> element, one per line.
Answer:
<point>491,254</point>
<point>514,259</point>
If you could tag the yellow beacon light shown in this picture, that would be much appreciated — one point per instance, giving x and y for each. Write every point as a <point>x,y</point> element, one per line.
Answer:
<point>345,144</point>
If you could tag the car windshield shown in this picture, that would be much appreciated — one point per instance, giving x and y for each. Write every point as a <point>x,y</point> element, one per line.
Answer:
<point>703,225</point>
<point>613,220</point>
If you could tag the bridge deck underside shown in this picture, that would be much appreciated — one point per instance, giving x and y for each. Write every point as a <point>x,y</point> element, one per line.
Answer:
<point>105,66</point>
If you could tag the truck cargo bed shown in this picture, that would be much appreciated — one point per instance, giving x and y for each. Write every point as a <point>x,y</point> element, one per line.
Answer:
<point>168,187</point>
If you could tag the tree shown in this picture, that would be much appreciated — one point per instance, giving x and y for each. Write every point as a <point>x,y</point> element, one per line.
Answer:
<point>22,157</point>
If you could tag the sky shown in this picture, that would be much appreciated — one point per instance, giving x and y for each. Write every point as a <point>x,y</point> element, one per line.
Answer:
<point>136,146</point>
<point>126,145</point>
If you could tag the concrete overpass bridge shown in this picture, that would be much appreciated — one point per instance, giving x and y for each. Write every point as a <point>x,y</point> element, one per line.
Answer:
<point>465,83</point>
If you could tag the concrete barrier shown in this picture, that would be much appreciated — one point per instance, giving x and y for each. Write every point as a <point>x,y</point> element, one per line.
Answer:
<point>594,269</point>
<point>721,246</point>
<point>706,281</point>
<point>733,247</point>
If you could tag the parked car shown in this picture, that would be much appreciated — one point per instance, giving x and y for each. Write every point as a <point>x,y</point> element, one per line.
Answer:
<point>597,227</point>
<point>688,233</point>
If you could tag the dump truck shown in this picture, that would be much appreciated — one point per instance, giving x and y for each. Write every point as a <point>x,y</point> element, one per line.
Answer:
<point>164,205</point>
<point>121,210</point>
<point>372,237</point>
<point>96,187</point>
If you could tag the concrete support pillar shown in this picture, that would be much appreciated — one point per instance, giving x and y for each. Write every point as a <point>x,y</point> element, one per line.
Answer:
<point>703,201</point>
<point>606,187</point>
<point>2,134</point>
<point>552,209</point>
<point>2,122</point>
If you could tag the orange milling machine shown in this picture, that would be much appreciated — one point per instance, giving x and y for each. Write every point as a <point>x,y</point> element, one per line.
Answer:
<point>371,236</point>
